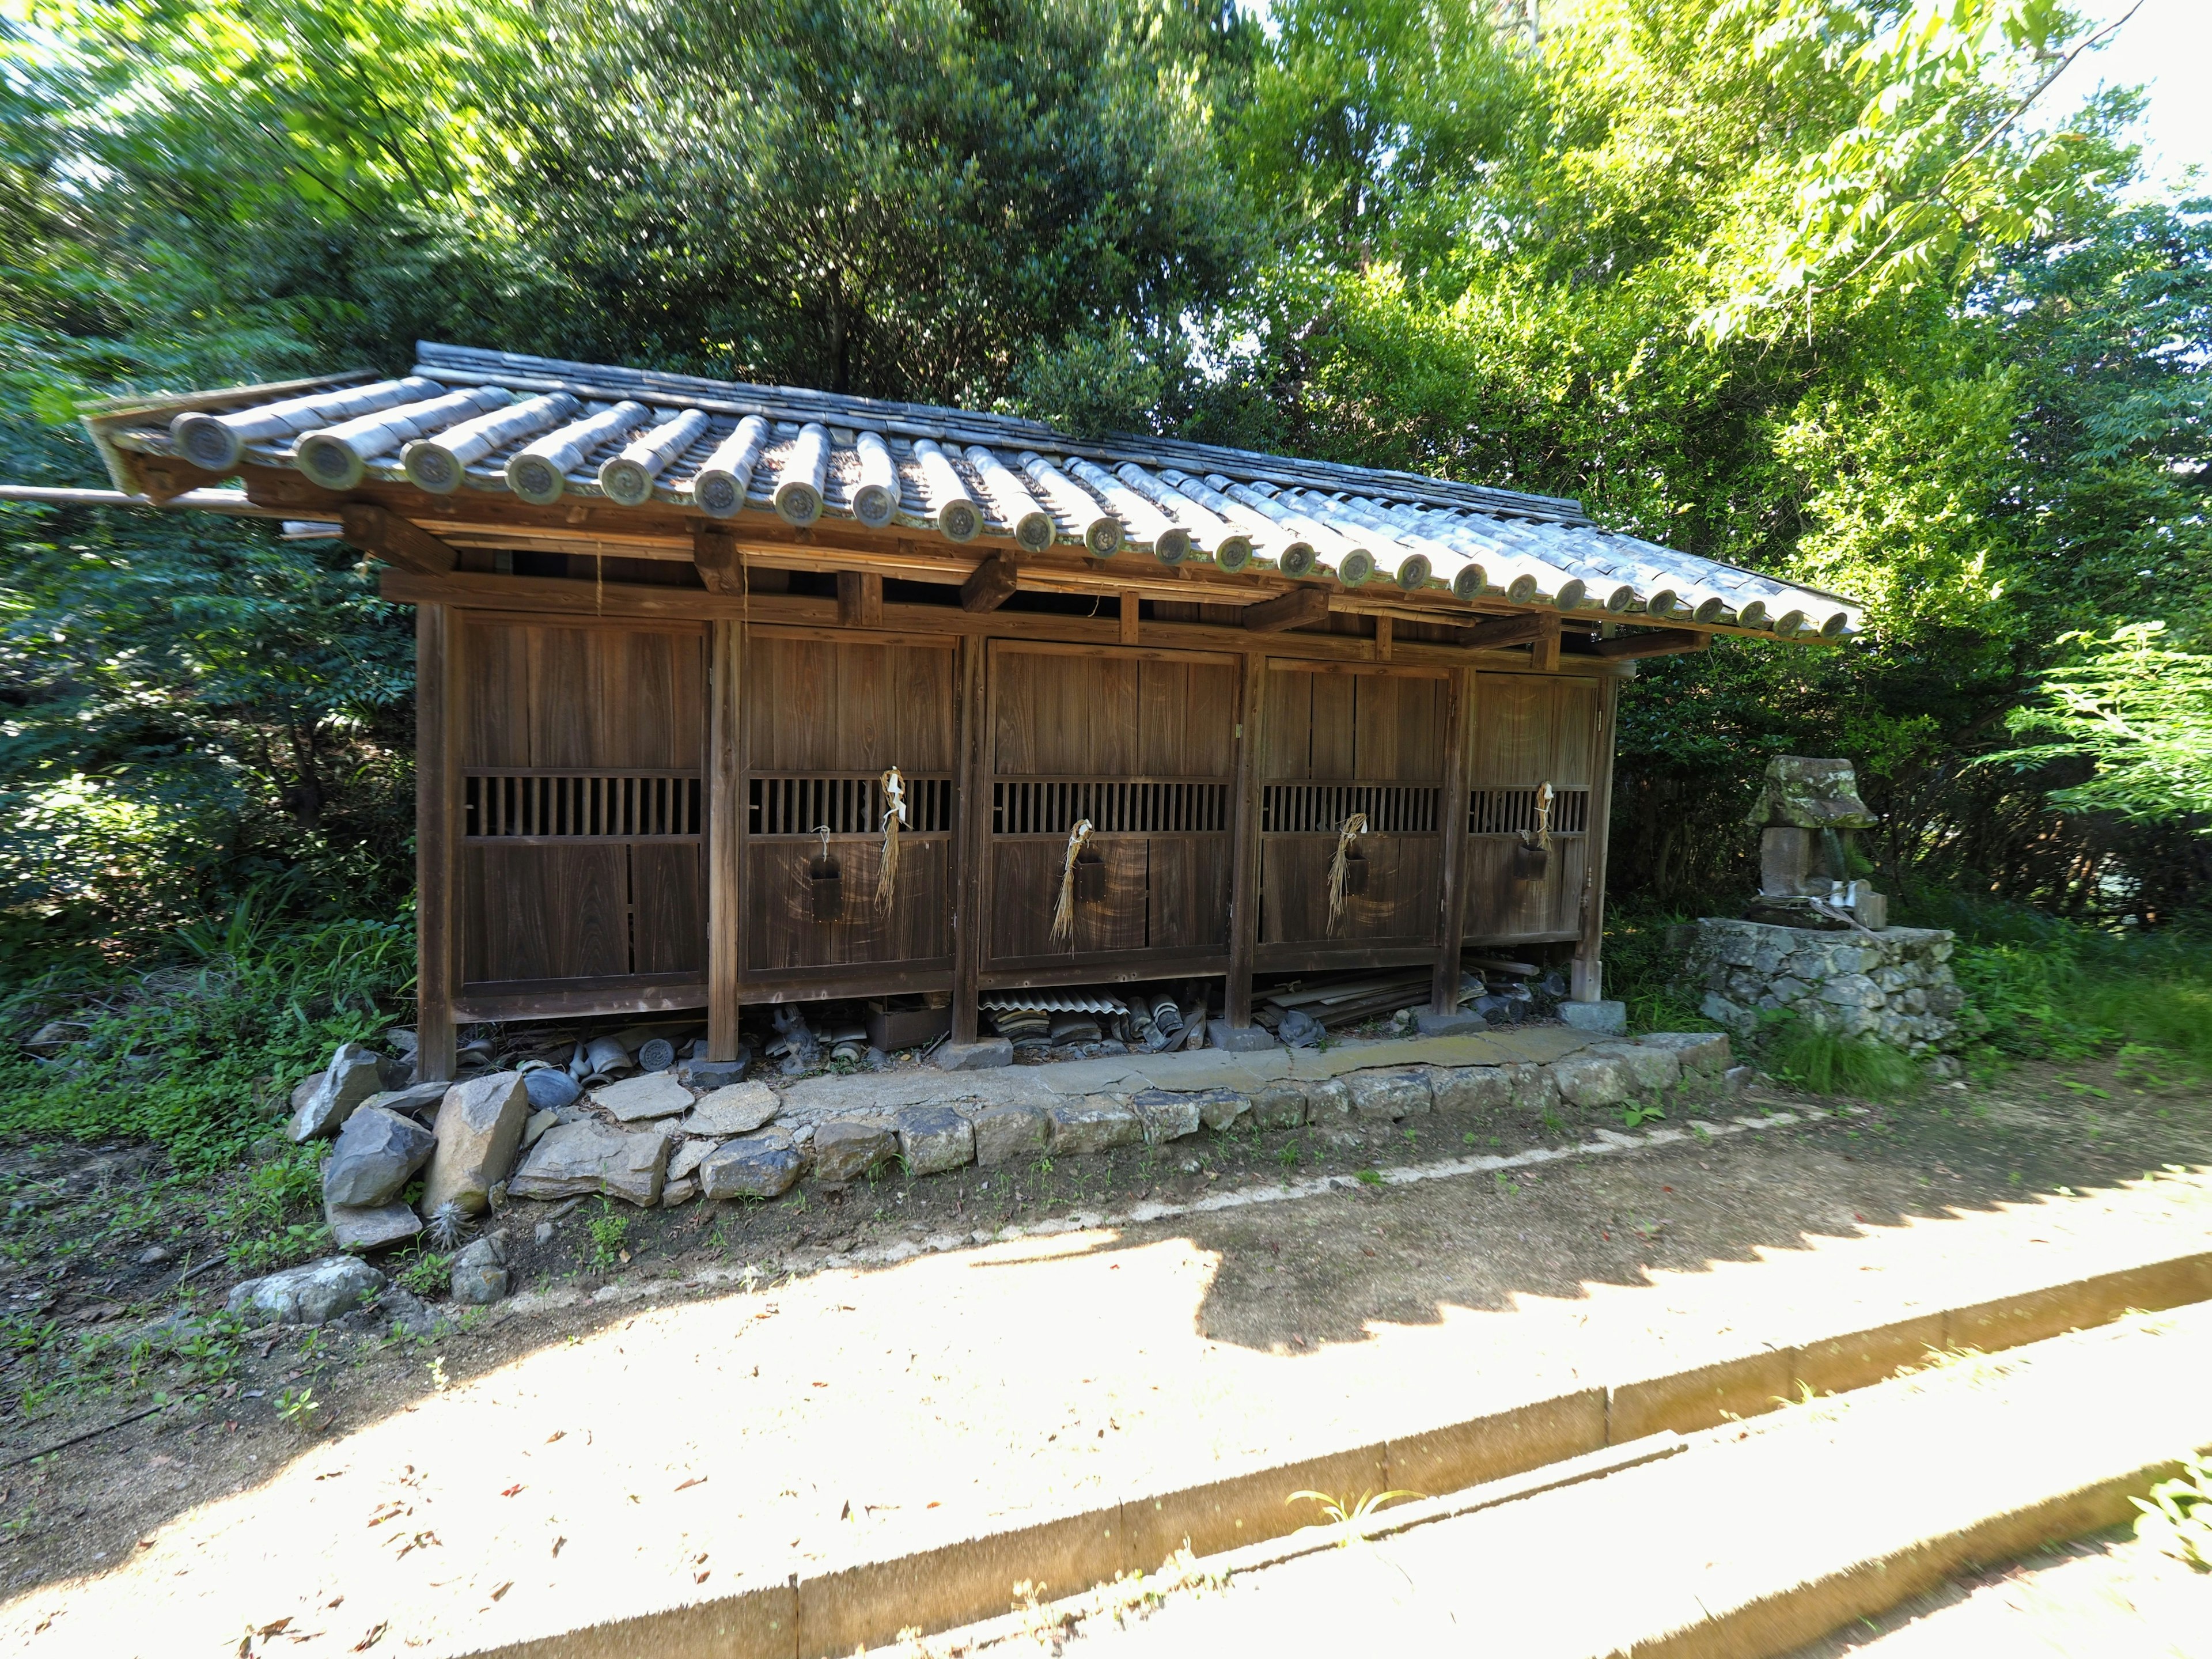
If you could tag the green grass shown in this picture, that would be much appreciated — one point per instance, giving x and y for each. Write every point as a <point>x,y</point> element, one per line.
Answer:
<point>1826,1063</point>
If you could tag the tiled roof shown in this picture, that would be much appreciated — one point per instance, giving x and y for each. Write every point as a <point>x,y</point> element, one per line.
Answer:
<point>542,429</point>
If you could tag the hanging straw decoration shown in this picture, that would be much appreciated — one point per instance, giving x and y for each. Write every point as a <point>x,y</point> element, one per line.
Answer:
<point>1354,828</point>
<point>1543,816</point>
<point>1063,913</point>
<point>894,818</point>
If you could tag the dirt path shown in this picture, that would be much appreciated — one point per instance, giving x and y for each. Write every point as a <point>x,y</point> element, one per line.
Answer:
<point>670,1432</point>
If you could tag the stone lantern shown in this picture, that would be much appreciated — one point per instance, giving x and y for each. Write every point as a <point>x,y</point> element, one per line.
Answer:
<point>1805,809</point>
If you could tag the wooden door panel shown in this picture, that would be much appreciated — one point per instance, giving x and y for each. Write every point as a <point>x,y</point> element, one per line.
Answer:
<point>1531,730</point>
<point>1025,887</point>
<point>782,935</point>
<point>1400,904</point>
<point>1064,713</point>
<point>546,912</point>
<point>1187,901</point>
<point>669,909</point>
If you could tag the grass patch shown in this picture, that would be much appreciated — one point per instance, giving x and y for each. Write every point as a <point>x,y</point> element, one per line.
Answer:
<point>1640,968</point>
<point>1827,1062</point>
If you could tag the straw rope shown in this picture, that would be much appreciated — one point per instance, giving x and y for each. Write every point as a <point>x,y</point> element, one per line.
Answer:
<point>895,816</point>
<point>1063,913</point>
<point>1347,836</point>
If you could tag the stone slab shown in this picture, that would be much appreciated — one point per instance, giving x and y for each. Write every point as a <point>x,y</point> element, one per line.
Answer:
<point>1239,1039</point>
<point>1607,1016</point>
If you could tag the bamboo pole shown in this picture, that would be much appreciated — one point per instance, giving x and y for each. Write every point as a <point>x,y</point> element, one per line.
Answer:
<point>1032,525</point>
<point>627,478</point>
<point>957,516</point>
<point>439,463</point>
<point>1100,533</point>
<point>337,456</point>
<point>719,486</point>
<point>215,442</point>
<point>799,482</point>
<point>876,497</point>
<point>538,471</point>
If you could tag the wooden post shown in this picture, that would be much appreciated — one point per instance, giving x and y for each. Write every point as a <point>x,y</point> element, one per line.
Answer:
<point>859,599</point>
<point>1459,740</point>
<point>1382,633</point>
<point>725,667</point>
<point>1244,881</point>
<point>437,790</point>
<point>1128,619</point>
<point>1588,981</point>
<point>972,843</point>
<point>1544,650</point>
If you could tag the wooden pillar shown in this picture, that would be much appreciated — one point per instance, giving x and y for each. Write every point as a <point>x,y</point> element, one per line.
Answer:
<point>1589,982</point>
<point>437,839</point>
<point>725,666</point>
<point>972,842</point>
<point>1244,881</point>
<point>1451,881</point>
<point>1129,616</point>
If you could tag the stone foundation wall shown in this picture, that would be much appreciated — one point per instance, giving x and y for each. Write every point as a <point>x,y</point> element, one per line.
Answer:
<point>1894,986</point>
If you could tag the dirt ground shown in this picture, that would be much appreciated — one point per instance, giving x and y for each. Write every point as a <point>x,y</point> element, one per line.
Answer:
<point>1294,1277</point>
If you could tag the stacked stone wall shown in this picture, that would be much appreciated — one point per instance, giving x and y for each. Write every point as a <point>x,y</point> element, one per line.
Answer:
<point>1895,986</point>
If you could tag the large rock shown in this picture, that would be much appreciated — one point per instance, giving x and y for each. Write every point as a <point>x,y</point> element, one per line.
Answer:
<point>1610,1016</point>
<point>1007,1133</point>
<point>415,1099</point>
<point>935,1138</point>
<point>756,1166</point>
<point>1327,1100</point>
<point>1592,1080</point>
<point>687,1157</point>
<point>377,1154</point>
<point>1533,1090</point>
<point>716,1074</point>
<point>589,1156</point>
<point>1165,1115</point>
<point>550,1090</point>
<point>982,1056</point>
<point>1280,1105</point>
<point>1702,1053</point>
<point>1219,1107</point>
<point>480,1274</point>
<point>362,1228</point>
<point>312,1295</point>
<point>846,1149</point>
<point>354,1074</point>
<point>1094,1124</point>
<point>1649,1070</point>
<point>479,1128</point>
<point>1470,1088</point>
<point>737,1109</point>
<point>649,1095</point>
<point>1391,1095</point>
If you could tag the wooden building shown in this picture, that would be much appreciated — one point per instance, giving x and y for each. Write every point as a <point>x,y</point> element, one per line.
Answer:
<point>682,644</point>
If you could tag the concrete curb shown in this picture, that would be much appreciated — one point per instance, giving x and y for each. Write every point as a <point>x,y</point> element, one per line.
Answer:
<point>970,1580</point>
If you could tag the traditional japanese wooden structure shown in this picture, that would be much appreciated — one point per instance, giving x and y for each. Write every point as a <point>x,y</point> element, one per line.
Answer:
<point>683,644</point>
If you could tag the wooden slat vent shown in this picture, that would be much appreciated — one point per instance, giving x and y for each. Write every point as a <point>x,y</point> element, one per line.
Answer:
<point>1513,812</point>
<point>1393,809</point>
<point>849,803</point>
<point>535,805</point>
<point>1116,806</point>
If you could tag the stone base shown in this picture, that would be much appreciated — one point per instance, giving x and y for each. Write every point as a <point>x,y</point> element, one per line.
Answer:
<point>1611,1018</point>
<point>1894,987</point>
<point>1239,1039</point>
<point>980,1056</point>
<point>1458,1023</point>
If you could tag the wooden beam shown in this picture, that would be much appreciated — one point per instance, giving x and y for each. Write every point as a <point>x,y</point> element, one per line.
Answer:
<point>972,843</point>
<point>1244,875</point>
<point>1130,617</point>
<point>394,540</point>
<point>1544,649</point>
<point>1502,633</point>
<point>725,769</point>
<point>714,551</point>
<point>1295,608</point>
<point>991,585</point>
<point>437,631</point>
<point>1451,921</point>
<point>1383,632</point>
<point>1659,642</point>
<point>1588,981</point>
<point>859,599</point>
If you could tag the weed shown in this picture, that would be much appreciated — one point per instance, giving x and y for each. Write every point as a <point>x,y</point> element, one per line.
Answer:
<point>1637,1114</point>
<point>1355,1513</point>
<point>1368,1177</point>
<point>1554,1124</point>
<point>298,1407</point>
<point>610,1231</point>
<point>1827,1062</point>
<point>439,1380</point>
<point>2177,1517</point>
<point>1413,1138</point>
<point>427,1273</point>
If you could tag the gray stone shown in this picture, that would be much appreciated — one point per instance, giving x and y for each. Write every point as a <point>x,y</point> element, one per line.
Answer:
<point>1534,1089</point>
<point>479,1276</point>
<point>479,1129</point>
<point>373,1228</point>
<point>414,1100</point>
<point>1457,1023</point>
<point>1391,1095</point>
<point>406,1313</point>
<point>1649,1070</point>
<point>1704,1053</point>
<point>152,1256</point>
<point>736,1108</point>
<point>649,1095</point>
<point>1298,1030</point>
<point>1007,1133</point>
<point>982,1056</point>
<point>687,1156</point>
<point>1592,1080</point>
<point>549,1090</point>
<point>756,1166</point>
<point>1239,1039</point>
<point>1165,1115</point>
<point>1470,1088</point>
<point>716,1074</point>
<point>354,1074</point>
<point>1610,1016</point>
<point>1737,1078</point>
<point>542,1232</point>
<point>533,1129</point>
<point>846,1149</point>
<point>590,1157</point>
<point>674,1193</point>
<point>312,1295</point>
<point>1280,1105</point>
<point>1327,1100</point>
<point>935,1139</point>
<point>1093,1124</point>
<point>377,1153</point>
<point>1219,1107</point>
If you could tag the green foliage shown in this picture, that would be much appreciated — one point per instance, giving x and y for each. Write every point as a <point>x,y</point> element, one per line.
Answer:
<point>2177,1517</point>
<point>427,1273</point>
<point>1807,1056</point>
<point>610,1231</point>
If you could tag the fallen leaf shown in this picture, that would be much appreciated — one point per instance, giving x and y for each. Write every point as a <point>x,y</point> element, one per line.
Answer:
<point>512,1490</point>
<point>700,1577</point>
<point>557,1434</point>
<point>272,1630</point>
<point>374,1636</point>
<point>556,1545</point>
<point>695,1480</point>
<point>503,1589</point>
